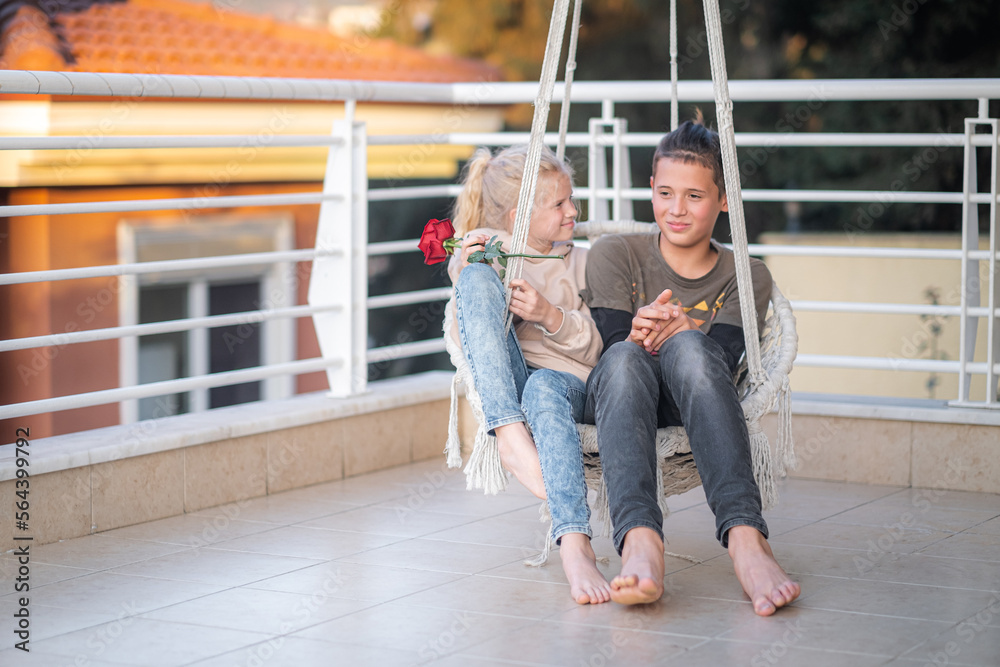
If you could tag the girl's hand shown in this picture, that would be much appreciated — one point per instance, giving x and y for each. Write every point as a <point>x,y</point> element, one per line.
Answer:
<point>528,304</point>
<point>472,243</point>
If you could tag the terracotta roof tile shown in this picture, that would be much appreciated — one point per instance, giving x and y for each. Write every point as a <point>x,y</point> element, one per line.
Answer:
<point>177,37</point>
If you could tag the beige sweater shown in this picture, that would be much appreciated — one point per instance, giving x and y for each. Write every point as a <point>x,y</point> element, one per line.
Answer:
<point>576,346</point>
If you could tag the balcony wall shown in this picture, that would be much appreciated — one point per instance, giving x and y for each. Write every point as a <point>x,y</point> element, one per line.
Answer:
<point>108,478</point>
<point>117,476</point>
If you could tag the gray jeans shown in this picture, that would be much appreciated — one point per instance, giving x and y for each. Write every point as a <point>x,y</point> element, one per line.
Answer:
<point>631,392</point>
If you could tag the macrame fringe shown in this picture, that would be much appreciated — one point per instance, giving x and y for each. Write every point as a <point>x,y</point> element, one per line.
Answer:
<point>785,454</point>
<point>760,453</point>
<point>543,557</point>
<point>484,470</point>
<point>601,509</point>
<point>696,561</point>
<point>453,447</point>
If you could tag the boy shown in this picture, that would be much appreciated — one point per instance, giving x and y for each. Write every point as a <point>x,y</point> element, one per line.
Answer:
<point>667,309</point>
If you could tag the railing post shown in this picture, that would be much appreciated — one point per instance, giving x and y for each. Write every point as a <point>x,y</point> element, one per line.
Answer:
<point>968,325</point>
<point>341,279</point>
<point>971,283</point>
<point>992,335</point>
<point>621,170</point>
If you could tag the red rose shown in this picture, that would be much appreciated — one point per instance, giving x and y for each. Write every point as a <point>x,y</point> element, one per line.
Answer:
<point>432,240</point>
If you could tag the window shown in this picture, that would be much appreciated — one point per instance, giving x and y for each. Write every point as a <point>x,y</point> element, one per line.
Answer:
<point>191,294</point>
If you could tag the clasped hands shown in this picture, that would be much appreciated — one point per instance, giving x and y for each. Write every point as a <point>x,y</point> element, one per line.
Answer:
<point>655,323</point>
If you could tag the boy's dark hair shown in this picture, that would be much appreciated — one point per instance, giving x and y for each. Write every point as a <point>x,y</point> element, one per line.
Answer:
<point>692,142</point>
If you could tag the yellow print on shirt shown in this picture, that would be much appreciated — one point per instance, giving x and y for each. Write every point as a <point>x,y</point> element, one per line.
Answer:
<point>700,312</point>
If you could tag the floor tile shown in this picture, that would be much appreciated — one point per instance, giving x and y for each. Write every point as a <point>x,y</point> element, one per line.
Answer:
<point>16,658</point>
<point>899,539</point>
<point>117,594</point>
<point>41,574</point>
<point>190,530</point>
<point>497,531</point>
<point>355,581</point>
<point>466,660</point>
<point>300,652</point>
<point>552,643</point>
<point>973,546</point>
<point>357,491</point>
<point>404,566</point>
<point>936,571</point>
<point>282,508</point>
<point>691,498</point>
<point>254,610</point>
<point>918,499</point>
<point>215,566</point>
<point>398,522</point>
<point>149,643</point>
<point>990,527</point>
<point>794,489</point>
<point>491,595</point>
<point>704,618</point>
<point>472,503</point>
<point>903,600</point>
<point>551,572</point>
<point>302,542</point>
<point>904,516</point>
<point>432,633</point>
<point>427,554</point>
<point>780,653</point>
<point>838,631</point>
<point>813,509</point>
<point>47,621</point>
<point>969,643</point>
<point>100,552</point>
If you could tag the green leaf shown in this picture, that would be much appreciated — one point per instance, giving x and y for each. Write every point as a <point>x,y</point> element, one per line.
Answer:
<point>478,256</point>
<point>503,272</point>
<point>503,261</point>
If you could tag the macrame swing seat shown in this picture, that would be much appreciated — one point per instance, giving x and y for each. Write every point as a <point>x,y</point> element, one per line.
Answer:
<point>763,381</point>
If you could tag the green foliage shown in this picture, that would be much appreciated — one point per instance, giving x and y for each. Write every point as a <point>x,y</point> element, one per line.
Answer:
<point>778,39</point>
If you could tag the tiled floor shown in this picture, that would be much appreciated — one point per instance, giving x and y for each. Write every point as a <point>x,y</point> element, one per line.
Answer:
<point>405,567</point>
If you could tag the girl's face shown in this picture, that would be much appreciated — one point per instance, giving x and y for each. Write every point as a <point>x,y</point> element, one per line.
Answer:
<point>554,214</point>
<point>686,202</point>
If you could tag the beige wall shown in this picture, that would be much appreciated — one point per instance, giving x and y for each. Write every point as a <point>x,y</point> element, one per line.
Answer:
<point>894,336</point>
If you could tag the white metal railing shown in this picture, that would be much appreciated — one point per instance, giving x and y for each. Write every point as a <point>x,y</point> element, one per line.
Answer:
<point>338,299</point>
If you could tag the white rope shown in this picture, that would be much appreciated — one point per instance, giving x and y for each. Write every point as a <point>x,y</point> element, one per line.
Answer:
<point>570,70</point>
<point>526,197</point>
<point>737,222</point>
<point>673,66</point>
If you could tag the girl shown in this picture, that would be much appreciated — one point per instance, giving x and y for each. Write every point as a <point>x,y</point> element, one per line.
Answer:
<point>537,375</point>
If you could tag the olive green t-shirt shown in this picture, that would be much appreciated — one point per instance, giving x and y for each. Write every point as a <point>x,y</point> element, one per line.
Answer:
<point>627,272</point>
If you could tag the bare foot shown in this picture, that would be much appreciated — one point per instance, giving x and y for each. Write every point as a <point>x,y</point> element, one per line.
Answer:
<point>518,455</point>
<point>763,580</point>
<point>586,583</point>
<point>641,579</point>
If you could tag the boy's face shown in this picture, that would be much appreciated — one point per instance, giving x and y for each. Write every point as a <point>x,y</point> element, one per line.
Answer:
<point>686,202</point>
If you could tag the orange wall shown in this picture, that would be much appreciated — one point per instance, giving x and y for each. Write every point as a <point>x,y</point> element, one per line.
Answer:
<point>66,241</point>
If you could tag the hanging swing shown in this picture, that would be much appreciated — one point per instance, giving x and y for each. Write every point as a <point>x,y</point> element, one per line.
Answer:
<point>769,354</point>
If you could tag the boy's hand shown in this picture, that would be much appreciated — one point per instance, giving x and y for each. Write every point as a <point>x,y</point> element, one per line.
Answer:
<point>657,322</point>
<point>528,304</point>
<point>678,321</point>
<point>647,318</point>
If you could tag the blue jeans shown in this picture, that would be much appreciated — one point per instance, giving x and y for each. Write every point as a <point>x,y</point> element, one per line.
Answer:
<point>631,393</point>
<point>550,401</point>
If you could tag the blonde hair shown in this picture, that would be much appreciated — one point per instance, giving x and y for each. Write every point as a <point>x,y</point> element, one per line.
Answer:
<point>492,183</point>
